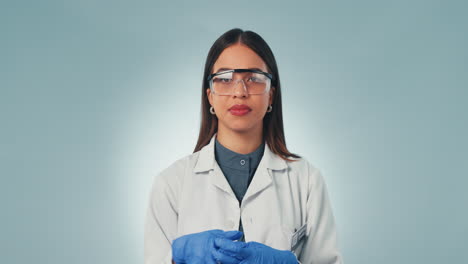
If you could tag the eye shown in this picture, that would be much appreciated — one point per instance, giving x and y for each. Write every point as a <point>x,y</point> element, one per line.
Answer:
<point>255,79</point>
<point>222,80</point>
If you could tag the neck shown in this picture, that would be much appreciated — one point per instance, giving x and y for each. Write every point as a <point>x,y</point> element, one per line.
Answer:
<point>240,142</point>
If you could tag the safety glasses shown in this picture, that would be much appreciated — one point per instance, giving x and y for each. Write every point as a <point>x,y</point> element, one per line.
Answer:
<point>254,81</point>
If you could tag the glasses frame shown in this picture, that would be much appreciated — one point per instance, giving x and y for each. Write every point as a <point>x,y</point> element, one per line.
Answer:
<point>211,76</point>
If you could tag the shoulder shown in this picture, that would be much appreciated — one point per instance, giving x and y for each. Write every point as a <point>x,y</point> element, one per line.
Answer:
<point>303,166</point>
<point>175,172</point>
<point>168,183</point>
<point>307,170</point>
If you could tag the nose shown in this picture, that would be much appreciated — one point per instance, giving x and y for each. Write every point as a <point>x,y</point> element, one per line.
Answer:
<point>240,92</point>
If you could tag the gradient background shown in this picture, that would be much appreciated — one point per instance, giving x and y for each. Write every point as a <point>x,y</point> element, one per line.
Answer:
<point>97,97</point>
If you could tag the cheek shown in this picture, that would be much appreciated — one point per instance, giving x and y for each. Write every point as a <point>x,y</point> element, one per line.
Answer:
<point>222,105</point>
<point>261,104</point>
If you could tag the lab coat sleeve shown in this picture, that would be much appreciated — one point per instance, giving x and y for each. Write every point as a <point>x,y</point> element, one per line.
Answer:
<point>161,220</point>
<point>320,246</point>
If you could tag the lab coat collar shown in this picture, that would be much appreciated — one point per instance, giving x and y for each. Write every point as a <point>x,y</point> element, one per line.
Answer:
<point>206,160</point>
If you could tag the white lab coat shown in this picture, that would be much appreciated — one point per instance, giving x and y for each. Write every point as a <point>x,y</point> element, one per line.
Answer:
<point>193,195</point>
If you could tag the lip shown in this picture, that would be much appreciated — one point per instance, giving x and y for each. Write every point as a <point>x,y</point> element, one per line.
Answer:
<point>239,109</point>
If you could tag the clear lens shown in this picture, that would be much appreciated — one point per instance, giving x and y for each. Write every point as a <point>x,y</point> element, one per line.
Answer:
<point>224,84</point>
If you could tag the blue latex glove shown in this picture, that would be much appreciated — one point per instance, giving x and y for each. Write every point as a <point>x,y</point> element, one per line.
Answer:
<point>251,253</point>
<point>199,247</point>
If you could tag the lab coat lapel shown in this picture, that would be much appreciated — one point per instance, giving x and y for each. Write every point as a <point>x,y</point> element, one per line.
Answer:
<point>206,162</point>
<point>206,158</point>
<point>220,181</point>
<point>261,180</point>
<point>262,177</point>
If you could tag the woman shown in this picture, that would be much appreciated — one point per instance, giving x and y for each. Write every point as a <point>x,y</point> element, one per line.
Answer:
<point>241,196</point>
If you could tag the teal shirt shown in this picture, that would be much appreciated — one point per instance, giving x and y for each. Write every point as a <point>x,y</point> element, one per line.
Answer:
<point>238,169</point>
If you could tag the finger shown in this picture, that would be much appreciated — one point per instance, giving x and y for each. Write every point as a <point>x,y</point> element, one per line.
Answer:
<point>229,253</point>
<point>222,257</point>
<point>216,231</point>
<point>228,245</point>
<point>233,235</point>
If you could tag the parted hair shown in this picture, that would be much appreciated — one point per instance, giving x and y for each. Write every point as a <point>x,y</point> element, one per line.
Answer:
<point>273,131</point>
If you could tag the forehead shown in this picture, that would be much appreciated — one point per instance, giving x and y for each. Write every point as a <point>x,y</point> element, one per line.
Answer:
<point>238,56</point>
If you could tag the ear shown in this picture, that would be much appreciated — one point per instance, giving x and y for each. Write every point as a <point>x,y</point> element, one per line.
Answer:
<point>208,94</point>
<point>272,93</point>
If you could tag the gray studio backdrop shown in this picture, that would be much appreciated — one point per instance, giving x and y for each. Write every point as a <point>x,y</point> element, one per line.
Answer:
<point>97,97</point>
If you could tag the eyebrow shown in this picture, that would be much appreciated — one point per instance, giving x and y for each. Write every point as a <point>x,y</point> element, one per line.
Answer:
<point>226,69</point>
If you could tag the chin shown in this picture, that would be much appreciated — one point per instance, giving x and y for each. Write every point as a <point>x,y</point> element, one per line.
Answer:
<point>241,128</point>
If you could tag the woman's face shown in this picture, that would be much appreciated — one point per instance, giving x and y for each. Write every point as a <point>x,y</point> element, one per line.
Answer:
<point>239,56</point>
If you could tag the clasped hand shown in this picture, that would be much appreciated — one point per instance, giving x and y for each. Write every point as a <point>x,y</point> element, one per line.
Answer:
<point>218,246</point>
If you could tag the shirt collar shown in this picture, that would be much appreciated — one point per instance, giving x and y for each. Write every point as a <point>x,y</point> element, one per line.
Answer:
<point>228,158</point>
<point>206,159</point>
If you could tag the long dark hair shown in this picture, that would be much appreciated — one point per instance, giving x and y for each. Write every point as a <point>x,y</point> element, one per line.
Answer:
<point>273,132</point>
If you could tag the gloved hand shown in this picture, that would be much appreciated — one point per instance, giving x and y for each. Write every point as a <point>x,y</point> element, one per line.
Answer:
<point>250,253</point>
<point>199,247</point>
